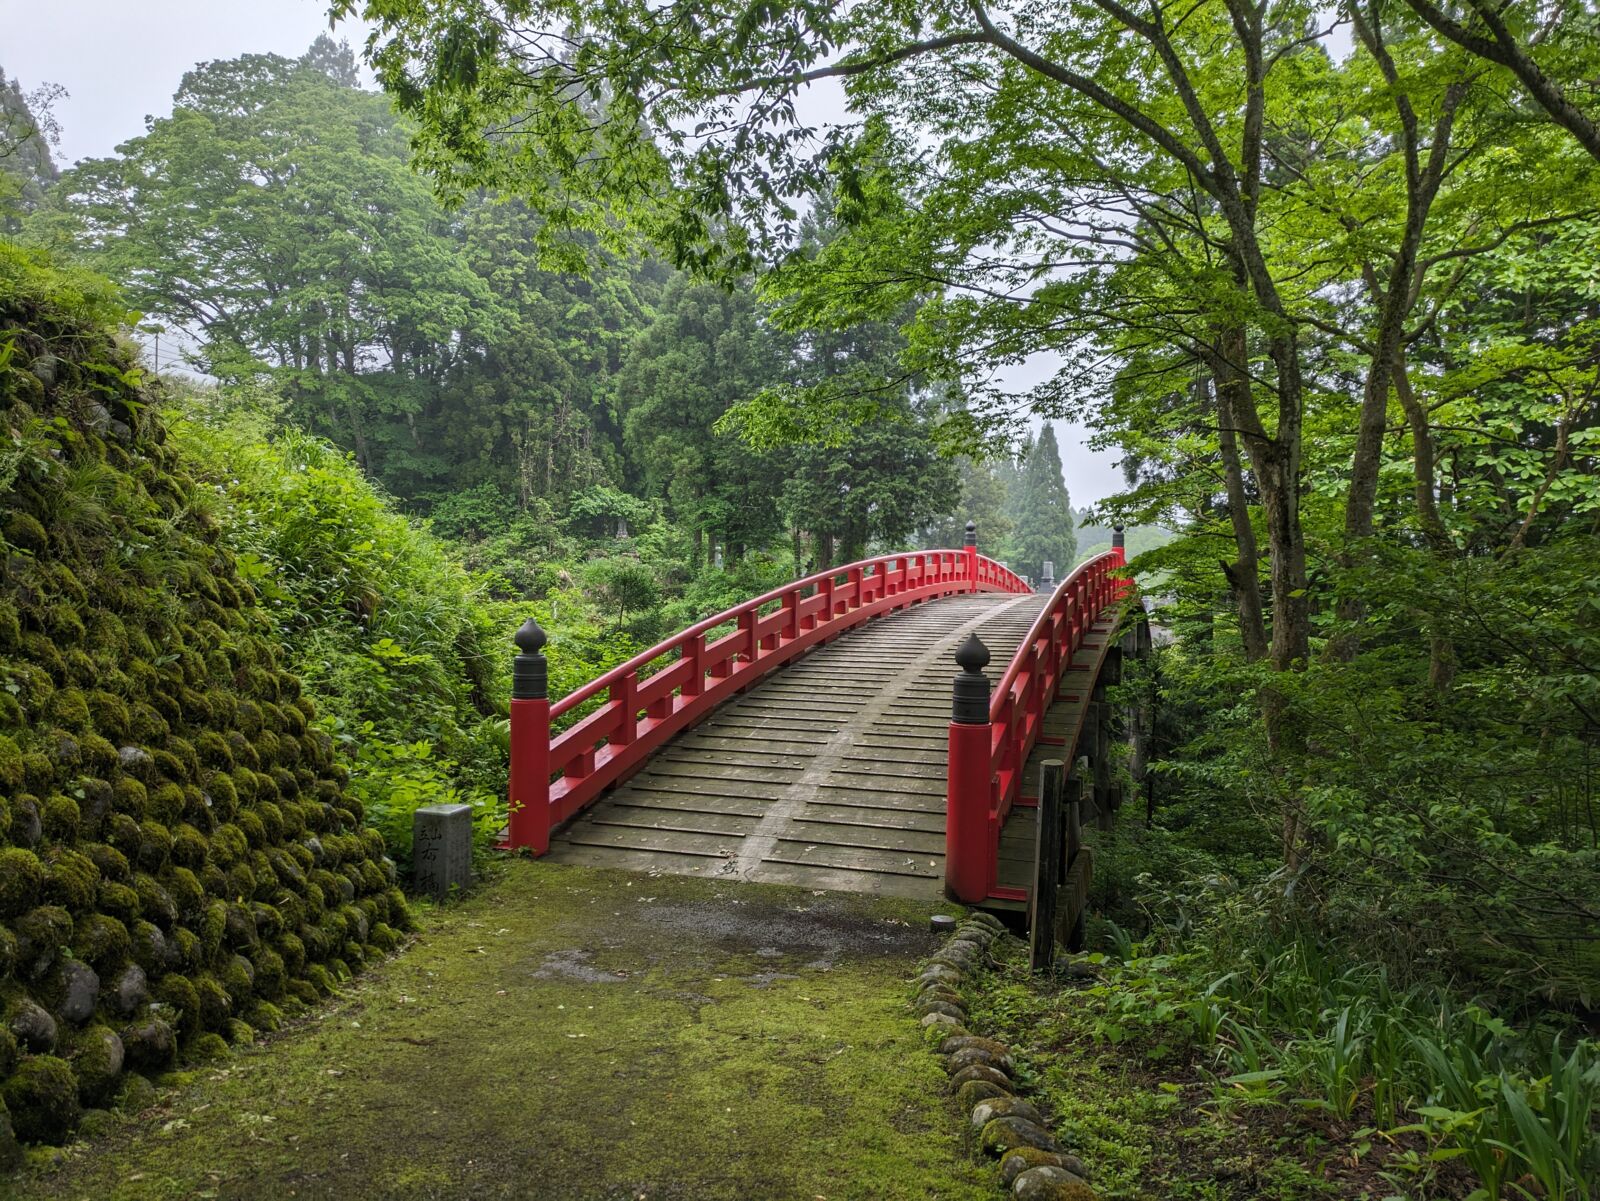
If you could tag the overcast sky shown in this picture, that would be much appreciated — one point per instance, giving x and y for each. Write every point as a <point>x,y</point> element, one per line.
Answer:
<point>120,61</point>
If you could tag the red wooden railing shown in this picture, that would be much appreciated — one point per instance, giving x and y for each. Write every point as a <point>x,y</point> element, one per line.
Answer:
<point>987,759</point>
<point>694,671</point>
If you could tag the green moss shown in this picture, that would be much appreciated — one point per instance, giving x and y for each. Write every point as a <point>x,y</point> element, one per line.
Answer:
<point>41,934</point>
<point>270,976</point>
<point>178,993</point>
<point>98,753</point>
<point>96,1057</point>
<point>155,846</point>
<point>42,1095</point>
<point>189,847</point>
<point>228,845</point>
<point>61,819</point>
<point>182,750</point>
<point>38,772</point>
<point>111,863</point>
<point>69,709</point>
<point>73,881</point>
<point>22,881</point>
<point>110,714</point>
<point>251,826</point>
<point>183,886</point>
<point>12,771</point>
<point>166,803</point>
<point>216,1005</point>
<point>137,1094</point>
<point>82,670</point>
<point>304,992</point>
<point>24,532</point>
<point>237,978</point>
<point>130,797</point>
<point>213,751</point>
<point>155,902</point>
<point>213,927</point>
<point>239,1033</point>
<point>209,1048</point>
<point>122,833</point>
<point>45,654</point>
<point>10,1054</point>
<point>64,624</point>
<point>293,951</point>
<point>147,725</point>
<point>187,945</point>
<point>10,627</point>
<point>101,941</point>
<point>241,881</point>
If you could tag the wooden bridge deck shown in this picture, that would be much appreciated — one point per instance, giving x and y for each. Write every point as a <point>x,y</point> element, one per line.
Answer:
<point>827,774</point>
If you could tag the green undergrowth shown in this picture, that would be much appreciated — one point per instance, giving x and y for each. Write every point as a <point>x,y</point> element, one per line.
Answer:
<point>1291,1078</point>
<point>575,1034</point>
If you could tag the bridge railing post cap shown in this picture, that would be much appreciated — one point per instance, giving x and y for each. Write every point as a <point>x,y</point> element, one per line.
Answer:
<point>530,638</point>
<point>972,655</point>
<point>972,533</point>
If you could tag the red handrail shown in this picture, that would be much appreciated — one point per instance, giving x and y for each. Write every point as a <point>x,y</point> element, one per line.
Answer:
<point>987,761</point>
<point>553,779</point>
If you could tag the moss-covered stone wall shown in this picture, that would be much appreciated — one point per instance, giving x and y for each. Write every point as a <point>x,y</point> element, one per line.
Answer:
<point>180,862</point>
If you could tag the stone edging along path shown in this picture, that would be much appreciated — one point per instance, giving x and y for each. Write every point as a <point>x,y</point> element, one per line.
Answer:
<point>1032,1163</point>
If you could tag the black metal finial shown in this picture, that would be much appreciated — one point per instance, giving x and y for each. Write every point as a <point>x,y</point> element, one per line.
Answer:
<point>972,533</point>
<point>530,673</point>
<point>972,655</point>
<point>969,693</point>
<point>530,638</point>
<point>1116,535</point>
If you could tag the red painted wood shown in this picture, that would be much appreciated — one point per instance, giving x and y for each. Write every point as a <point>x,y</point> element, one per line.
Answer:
<point>529,820</point>
<point>1020,700</point>
<point>697,669</point>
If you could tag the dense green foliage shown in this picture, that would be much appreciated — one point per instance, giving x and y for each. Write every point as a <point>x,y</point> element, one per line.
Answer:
<point>1336,308</point>
<point>181,860</point>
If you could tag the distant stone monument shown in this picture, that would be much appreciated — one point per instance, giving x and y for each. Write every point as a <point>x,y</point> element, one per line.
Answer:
<point>441,849</point>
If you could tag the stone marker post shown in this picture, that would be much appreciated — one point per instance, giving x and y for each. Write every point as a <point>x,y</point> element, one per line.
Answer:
<point>441,849</point>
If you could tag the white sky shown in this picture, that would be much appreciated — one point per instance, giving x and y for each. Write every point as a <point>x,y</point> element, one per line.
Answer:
<point>120,61</point>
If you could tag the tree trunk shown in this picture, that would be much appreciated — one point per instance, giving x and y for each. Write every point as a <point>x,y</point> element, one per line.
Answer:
<point>1244,575</point>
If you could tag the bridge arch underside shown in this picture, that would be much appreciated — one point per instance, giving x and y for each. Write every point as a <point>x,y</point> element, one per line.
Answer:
<point>830,773</point>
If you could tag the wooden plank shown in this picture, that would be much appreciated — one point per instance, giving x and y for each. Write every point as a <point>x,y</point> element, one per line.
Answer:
<point>894,863</point>
<point>885,816</point>
<point>683,821</point>
<point>821,831</point>
<point>685,802</point>
<point>587,833</point>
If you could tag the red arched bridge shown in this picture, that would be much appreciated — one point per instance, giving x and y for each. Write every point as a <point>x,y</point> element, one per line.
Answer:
<point>854,767</point>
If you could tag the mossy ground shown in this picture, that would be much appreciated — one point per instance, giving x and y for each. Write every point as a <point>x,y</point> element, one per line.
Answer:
<point>580,1034</point>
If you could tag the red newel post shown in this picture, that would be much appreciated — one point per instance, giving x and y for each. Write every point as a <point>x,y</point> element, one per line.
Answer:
<point>971,550</point>
<point>968,857</point>
<point>1118,546</point>
<point>530,742</point>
